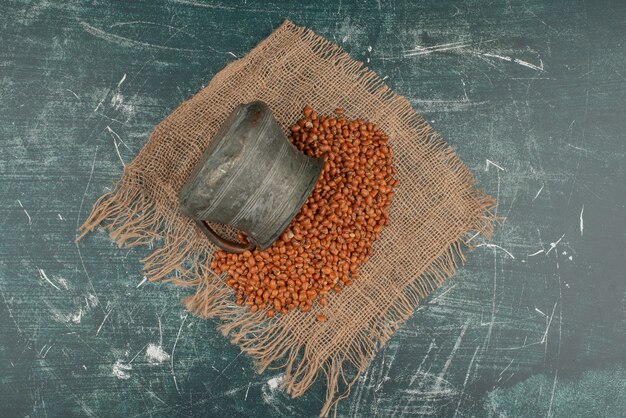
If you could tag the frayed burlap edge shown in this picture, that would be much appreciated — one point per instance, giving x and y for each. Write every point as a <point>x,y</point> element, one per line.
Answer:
<point>132,218</point>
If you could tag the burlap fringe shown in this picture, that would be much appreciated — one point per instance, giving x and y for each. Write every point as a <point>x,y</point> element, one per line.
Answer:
<point>133,219</point>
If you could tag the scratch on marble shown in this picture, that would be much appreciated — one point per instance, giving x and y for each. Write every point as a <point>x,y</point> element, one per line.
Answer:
<point>174,349</point>
<point>204,5</point>
<point>496,246</point>
<point>144,22</point>
<point>446,365</point>
<point>554,244</point>
<point>464,91</point>
<point>544,339</point>
<point>558,353</point>
<point>104,320</point>
<point>121,40</point>
<point>493,301</point>
<point>117,150</point>
<point>75,95</point>
<point>537,195</point>
<point>516,61</point>
<point>6,303</point>
<point>419,369</point>
<point>44,276</point>
<point>116,135</point>
<point>489,162</point>
<point>160,331</point>
<point>578,148</point>
<point>473,236</point>
<point>136,355</point>
<point>112,119</point>
<point>582,226</point>
<point>421,50</point>
<point>30,222</point>
<point>443,294</point>
<point>386,368</point>
<point>80,209</point>
<point>82,202</point>
<point>40,355</point>
<point>121,81</point>
<point>145,279</point>
<point>505,369</point>
<point>101,101</point>
<point>469,369</point>
<point>247,390</point>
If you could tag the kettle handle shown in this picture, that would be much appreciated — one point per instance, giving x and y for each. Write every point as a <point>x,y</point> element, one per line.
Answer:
<point>224,244</point>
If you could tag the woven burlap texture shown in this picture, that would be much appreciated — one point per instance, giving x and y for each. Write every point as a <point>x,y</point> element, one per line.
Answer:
<point>436,211</point>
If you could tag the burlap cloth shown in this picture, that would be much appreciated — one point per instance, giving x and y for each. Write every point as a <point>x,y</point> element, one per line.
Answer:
<point>436,209</point>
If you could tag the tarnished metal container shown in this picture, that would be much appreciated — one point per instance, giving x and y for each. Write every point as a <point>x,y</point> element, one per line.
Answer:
<point>251,178</point>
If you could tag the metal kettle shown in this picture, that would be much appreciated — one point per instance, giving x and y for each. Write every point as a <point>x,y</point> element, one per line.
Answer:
<point>251,178</point>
